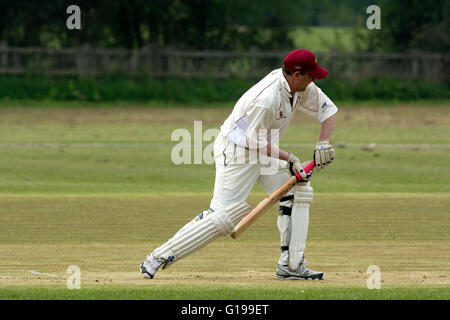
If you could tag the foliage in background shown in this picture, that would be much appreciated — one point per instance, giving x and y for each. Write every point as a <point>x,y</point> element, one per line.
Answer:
<point>411,25</point>
<point>202,90</point>
<point>181,24</point>
<point>224,24</point>
<point>193,24</point>
<point>324,39</point>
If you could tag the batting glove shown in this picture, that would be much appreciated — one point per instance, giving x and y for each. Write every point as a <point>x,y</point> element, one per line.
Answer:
<point>324,154</point>
<point>294,166</point>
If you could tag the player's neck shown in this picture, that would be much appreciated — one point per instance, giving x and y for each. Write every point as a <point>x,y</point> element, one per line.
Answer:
<point>289,81</point>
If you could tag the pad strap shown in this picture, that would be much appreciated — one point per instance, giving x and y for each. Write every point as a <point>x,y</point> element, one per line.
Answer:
<point>286,211</point>
<point>286,198</point>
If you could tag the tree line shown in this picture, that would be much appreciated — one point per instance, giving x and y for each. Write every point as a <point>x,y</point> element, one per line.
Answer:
<point>221,24</point>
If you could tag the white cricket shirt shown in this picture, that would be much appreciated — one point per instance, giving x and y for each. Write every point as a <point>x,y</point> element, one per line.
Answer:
<point>266,106</point>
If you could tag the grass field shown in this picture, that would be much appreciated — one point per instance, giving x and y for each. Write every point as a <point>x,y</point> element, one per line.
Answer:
<point>96,188</point>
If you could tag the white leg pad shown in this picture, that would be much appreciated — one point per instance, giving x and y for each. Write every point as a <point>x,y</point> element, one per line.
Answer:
<point>299,223</point>
<point>196,235</point>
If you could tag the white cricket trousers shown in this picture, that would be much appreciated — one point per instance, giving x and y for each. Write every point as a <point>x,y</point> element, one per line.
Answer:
<point>237,171</point>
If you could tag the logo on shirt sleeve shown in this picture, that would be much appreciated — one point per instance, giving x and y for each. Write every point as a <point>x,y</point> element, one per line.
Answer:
<point>324,107</point>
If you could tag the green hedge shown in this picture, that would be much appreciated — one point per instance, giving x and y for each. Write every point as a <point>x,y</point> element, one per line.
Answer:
<point>187,91</point>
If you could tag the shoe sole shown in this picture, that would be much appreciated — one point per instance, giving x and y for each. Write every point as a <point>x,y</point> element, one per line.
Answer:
<point>280,277</point>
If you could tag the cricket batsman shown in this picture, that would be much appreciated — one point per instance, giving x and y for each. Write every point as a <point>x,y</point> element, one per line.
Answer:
<point>264,111</point>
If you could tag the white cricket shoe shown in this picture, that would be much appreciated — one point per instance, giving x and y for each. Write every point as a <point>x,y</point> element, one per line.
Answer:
<point>150,266</point>
<point>301,273</point>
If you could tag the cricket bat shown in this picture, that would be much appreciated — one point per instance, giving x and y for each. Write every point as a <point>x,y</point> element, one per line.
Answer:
<point>267,203</point>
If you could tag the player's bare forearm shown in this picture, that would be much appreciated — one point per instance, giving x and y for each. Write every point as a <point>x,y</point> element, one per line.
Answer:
<point>327,128</point>
<point>325,134</point>
<point>274,152</point>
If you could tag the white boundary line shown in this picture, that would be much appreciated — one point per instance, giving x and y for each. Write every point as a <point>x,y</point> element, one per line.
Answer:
<point>84,278</point>
<point>81,145</point>
<point>42,273</point>
<point>363,146</point>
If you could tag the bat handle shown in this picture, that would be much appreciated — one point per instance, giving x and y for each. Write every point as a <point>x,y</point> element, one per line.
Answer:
<point>307,169</point>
